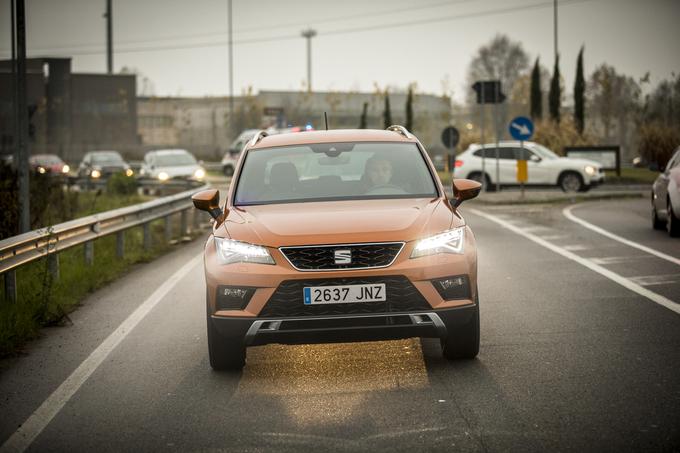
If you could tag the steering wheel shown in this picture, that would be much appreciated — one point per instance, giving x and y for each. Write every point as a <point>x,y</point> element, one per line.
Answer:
<point>385,189</point>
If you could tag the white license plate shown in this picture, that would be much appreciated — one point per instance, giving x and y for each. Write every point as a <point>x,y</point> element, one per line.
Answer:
<point>343,294</point>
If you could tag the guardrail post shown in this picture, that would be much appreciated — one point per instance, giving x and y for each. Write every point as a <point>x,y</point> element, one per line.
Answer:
<point>195,220</point>
<point>168,228</point>
<point>53,264</point>
<point>147,236</point>
<point>120,244</point>
<point>11,286</point>
<point>89,252</point>
<point>183,223</point>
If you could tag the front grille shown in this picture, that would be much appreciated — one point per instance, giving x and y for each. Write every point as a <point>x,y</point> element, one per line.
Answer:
<point>323,257</point>
<point>401,296</point>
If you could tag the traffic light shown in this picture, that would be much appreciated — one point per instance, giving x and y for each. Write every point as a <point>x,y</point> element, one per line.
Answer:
<point>489,92</point>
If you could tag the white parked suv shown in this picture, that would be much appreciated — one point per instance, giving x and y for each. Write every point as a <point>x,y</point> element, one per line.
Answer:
<point>545,168</point>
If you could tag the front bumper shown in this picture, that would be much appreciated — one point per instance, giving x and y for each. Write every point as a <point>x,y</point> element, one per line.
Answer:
<point>331,329</point>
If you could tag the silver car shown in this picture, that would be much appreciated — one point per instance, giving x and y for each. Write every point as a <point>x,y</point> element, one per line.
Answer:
<point>165,164</point>
<point>666,197</point>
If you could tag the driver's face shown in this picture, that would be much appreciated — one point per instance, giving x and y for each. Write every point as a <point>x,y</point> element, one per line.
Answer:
<point>379,172</point>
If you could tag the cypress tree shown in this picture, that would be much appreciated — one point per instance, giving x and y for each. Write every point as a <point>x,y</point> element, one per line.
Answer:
<point>554,95</point>
<point>387,114</point>
<point>364,117</point>
<point>536,93</point>
<point>409,109</point>
<point>579,93</point>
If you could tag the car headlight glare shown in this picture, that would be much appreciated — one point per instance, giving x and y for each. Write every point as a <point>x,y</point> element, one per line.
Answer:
<point>590,170</point>
<point>451,241</point>
<point>230,251</point>
<point>129,172</point>
<point>199,173</point>
<point>163,176</point>
<point>65,169</point>
<point>95,174</point>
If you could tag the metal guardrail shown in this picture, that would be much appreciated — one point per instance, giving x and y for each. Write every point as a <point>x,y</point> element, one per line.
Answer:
<point>28,247</point>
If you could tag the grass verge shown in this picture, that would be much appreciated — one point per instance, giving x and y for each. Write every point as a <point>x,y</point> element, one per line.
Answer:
<point>43,300</point>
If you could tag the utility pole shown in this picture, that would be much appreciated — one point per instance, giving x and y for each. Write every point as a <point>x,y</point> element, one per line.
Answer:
<point>555,25</point>
<point>231,75</point>
<point>109,38</point>
<point>309,34</point>
<point>22,119</point>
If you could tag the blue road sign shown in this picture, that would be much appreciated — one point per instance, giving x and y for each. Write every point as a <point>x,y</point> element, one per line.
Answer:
<point>521,128</point>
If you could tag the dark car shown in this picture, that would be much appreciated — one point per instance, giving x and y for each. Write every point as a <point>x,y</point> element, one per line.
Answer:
<point>102,164</point>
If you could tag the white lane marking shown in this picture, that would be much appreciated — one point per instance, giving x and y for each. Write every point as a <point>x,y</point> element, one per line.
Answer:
<point>33,426</point>
<point>575,247</point>
<point>650,280</point>
<point>623,281</point>
<point>569,215</point>
<point>619,259</point>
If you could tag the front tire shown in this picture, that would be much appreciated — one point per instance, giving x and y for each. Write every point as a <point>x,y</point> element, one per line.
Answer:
<point>673,223</point>
<point>462,341</point>
<point>225,354</point>
<point>570,182</point>
<point>657,223</point>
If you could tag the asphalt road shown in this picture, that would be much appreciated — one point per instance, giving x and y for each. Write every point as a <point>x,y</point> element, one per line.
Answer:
<point>570,359</point>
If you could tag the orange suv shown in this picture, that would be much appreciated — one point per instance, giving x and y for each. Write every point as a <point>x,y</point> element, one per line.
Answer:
<point>338,236</point>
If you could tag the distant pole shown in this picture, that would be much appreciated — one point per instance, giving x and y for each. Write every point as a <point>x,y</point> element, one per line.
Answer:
<point>109,38</point>
<point>231,73</point>
<point>15,135</point>
<point>555,25</point>
<point>309,34</point>
<point>22,120</point>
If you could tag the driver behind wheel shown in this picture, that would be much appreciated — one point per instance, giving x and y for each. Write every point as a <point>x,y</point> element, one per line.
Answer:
<point>377,173</point>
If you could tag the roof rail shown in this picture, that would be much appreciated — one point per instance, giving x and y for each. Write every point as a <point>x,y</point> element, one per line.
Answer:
<point>257,137</point>
<point>400,130</point>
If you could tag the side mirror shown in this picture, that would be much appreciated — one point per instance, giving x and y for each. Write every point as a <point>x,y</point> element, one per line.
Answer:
<point>535,158</point>
<point>464,189</point>
<point>209,201</point>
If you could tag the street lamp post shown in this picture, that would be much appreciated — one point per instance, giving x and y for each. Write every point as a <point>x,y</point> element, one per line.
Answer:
<point>309,34</point>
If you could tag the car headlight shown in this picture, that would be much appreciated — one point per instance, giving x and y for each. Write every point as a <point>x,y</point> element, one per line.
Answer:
<point>42,170</point>
<point>129,172</point>
<point>451,241</point>
<point>230,251</point>
<point>590,170</point>
<point>65,169</point>
<point>95,174</point>
<point>163,176</point>
<point>199,173</point>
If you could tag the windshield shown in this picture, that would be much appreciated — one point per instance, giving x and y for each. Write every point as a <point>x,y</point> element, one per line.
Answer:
<point>334,171</point>
<point>170,160</point>
<point>544,152</point>
<point>107,158</point>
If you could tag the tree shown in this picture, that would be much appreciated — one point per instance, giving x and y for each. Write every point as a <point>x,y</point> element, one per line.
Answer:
<point>555,94</point>
<point>387,114</point>
<point>409,109</point>
<point>364,117</point>
<point>579,94</point>
<point>536,93</point>
<point>663,104</point>
<point>501,59</point>
<point>612,97</point>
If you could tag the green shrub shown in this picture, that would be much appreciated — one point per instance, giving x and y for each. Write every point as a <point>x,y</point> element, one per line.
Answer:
<point>657,143</point>
<point>120,184</point>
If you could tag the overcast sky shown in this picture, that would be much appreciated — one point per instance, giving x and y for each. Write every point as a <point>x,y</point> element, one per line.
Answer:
<point>181,45</point>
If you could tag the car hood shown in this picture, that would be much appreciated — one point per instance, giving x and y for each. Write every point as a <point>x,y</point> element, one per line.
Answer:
<point>176,170</point>
<point>339,222</point>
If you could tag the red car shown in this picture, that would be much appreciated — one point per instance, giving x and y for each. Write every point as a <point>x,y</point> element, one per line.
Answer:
<point>48,163</point>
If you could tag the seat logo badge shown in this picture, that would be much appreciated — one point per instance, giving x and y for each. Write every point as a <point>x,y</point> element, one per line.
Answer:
<point>343,256</point>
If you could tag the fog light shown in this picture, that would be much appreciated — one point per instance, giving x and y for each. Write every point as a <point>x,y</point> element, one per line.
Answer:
<point>451,288</point>
<point>233,297</point>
